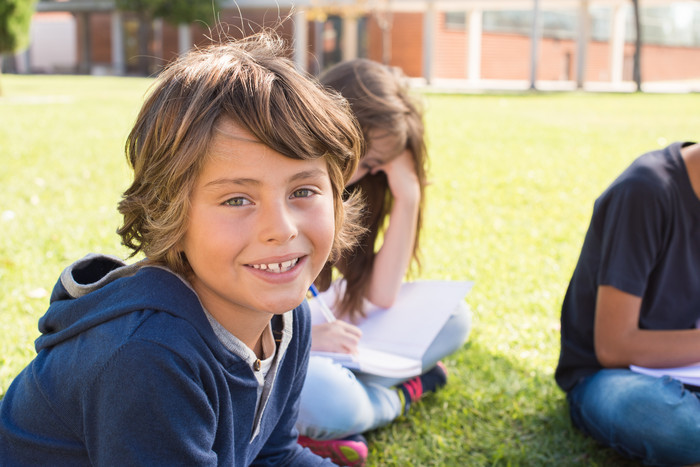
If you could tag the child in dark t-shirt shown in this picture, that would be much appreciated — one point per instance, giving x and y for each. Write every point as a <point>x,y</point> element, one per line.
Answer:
<point>634,299</point>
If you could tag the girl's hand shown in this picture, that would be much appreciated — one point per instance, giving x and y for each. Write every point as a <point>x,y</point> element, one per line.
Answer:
<point>394,256</point>
<point>402,177</point>
<point>338,336</point>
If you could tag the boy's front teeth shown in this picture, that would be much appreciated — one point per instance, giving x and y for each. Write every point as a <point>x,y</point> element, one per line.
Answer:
<point>277,267</point>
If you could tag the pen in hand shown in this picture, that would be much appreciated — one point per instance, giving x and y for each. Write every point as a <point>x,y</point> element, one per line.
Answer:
<point>327,313</point>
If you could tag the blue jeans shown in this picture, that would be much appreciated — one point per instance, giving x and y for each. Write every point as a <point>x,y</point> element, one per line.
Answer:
<point>336,402</point>
<point>655,420</point>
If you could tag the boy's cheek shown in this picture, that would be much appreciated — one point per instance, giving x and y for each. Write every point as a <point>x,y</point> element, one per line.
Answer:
<point>325,226</point>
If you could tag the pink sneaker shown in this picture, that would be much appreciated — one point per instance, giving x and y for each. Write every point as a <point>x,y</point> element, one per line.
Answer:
<point>351,451</point>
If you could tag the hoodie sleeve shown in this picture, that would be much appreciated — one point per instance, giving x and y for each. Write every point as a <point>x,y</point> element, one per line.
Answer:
<point>146,408</point>
<point>282,447</point>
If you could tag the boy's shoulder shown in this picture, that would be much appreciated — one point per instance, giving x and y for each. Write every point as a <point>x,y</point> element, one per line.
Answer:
<point>147,321</point>
<point>103,292</point>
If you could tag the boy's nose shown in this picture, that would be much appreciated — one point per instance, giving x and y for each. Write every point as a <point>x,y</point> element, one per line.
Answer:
<point>278,225</point>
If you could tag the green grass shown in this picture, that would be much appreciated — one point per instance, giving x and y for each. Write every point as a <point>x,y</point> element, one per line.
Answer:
<point>513,177</point>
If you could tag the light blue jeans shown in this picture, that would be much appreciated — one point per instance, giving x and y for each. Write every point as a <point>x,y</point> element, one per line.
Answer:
<point>335,402</point>
<point>655,420</point>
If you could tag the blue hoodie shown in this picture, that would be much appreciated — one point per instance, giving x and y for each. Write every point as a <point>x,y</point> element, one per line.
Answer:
<point>129,372</point>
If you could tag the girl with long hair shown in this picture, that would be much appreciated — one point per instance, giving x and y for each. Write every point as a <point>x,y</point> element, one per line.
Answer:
<point>337,405</point>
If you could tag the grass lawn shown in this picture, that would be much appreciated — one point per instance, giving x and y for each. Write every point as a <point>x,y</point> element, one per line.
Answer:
<point>513,176</point>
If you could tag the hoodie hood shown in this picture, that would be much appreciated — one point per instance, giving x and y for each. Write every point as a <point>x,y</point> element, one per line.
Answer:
<point>100,288</point>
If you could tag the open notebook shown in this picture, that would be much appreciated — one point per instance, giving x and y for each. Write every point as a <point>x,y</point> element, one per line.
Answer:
<point>394,340</point>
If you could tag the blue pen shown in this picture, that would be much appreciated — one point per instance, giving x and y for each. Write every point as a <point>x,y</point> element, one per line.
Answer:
<point>327,313</point>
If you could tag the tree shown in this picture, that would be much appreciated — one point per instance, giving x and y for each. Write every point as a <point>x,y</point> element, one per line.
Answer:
<point>637,70</point>
<point>173,11</point>
<point>184,11</point>
<point>15,18</point>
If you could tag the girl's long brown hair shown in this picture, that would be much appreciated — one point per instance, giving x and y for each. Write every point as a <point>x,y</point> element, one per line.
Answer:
<point>380,99</point>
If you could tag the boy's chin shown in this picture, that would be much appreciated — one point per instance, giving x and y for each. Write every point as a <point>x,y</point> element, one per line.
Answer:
<point>279,300</point>
<point>287,305</point>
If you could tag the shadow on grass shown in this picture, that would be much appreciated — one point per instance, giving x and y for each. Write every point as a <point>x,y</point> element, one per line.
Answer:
<point>492,412</point>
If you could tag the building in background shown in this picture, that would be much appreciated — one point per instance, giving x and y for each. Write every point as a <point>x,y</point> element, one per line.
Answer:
<point>452,42</point>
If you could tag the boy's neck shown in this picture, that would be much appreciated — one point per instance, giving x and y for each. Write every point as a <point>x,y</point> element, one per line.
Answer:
<point>691,157</point>
<point>255,340</point>
<point>264,347</point>
<point>250,329</point>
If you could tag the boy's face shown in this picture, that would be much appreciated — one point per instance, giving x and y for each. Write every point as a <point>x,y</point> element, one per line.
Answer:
<point>260,228</point>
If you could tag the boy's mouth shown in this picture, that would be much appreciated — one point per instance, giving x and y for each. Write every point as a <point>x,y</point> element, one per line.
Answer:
<point>284,266</point>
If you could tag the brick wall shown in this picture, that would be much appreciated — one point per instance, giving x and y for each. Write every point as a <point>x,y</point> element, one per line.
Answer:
<point>100,27</point>
<point>255,18</point>
<point>201,34</point>
<point>507,56</point>
<point>406,42</point>
<point>669,63</point>
<point>503,56</point>
<point>450,59</point>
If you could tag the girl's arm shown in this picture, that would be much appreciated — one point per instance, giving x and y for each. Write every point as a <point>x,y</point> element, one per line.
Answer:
<point>619,342</point>
<point>394,256</point>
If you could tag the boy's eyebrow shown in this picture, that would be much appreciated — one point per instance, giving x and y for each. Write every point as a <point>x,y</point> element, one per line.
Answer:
<point>233,181</point>
<point>303,175</point>
<point>306,174</point>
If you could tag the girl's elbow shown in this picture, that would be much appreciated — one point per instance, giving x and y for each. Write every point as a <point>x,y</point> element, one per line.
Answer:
<point>382,300</point>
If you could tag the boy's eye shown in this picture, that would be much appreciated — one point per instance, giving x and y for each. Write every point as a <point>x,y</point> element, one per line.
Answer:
<point>236,202</point>
<point>302,193</point>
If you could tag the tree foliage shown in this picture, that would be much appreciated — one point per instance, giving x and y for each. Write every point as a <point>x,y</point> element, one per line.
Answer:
<point>15,18</point>
<point>172,11</point>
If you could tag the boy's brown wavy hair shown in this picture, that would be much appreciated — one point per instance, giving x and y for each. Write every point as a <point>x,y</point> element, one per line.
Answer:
<point>251,82</point>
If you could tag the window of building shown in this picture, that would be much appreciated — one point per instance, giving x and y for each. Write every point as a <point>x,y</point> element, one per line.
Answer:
<point>672,25</point>
<point>676,24</point>
<point>456,20</point>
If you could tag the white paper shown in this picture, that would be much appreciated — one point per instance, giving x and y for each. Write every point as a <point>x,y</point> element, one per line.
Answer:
<point>686,374</point>
<point>376,362</point>
<point>397,338</point>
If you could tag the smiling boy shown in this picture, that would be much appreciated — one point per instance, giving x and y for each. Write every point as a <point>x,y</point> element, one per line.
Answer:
<point>261,221</point>
<point>197,354</point>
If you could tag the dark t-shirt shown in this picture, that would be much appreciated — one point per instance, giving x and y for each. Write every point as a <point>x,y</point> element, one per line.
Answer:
<point>644,239</point>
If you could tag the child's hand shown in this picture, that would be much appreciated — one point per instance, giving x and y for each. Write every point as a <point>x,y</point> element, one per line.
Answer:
<point>401,173</point>
<point>338,336</point>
